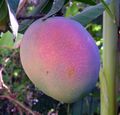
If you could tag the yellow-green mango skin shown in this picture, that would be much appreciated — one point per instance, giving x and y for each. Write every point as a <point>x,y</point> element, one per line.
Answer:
<point>61,58</point>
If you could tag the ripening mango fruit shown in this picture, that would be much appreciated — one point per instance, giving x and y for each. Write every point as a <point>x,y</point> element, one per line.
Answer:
<point>61,58</point>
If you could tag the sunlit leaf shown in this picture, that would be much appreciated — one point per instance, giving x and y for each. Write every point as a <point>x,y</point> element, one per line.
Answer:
<point>13,21</point>
<point>6,41</point>
<point>72,10</point>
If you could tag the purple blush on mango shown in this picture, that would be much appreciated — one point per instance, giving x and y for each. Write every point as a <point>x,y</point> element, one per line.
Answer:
<point>61,58</point>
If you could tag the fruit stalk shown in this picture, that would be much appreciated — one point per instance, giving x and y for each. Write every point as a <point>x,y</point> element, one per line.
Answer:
<point>108,72</point>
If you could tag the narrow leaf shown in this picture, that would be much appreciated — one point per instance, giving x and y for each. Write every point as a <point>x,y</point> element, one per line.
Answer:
<point>13,4</point>
<point>13,21</point>
<point>3,15</point>
<point>57,5</point>
<point>89,14</point>
<point>90,2</point>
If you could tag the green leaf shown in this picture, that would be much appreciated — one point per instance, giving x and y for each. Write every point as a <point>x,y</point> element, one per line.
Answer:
<point>2,8</point>
<point>6,41</point>
<point>89,14</point>
<point>57,5</point>
<point>90,2</point>
<point>3,15</point>
<point>47,8</point>
<point>72,10</point>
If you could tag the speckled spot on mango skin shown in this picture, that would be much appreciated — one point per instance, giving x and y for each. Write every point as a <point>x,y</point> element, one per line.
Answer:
<point>71,72</point>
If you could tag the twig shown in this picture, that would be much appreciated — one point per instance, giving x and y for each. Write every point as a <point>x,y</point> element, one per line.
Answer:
<point>26,109</point>
<point>37,16</point>
<point>30,17</point>
<point>2,84</point>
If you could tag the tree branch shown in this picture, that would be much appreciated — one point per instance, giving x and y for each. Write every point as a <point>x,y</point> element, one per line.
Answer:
<point>26,109</point>
<point>30,17</point>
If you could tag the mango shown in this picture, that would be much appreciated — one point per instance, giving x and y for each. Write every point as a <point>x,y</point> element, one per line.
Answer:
<point>61,58</point>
